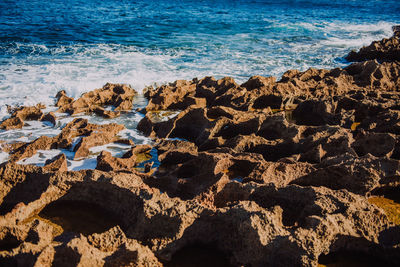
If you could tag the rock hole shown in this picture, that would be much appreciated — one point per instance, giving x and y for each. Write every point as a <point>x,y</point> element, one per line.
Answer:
<point>269,134</point>
<point>10,262</point>
<point>231,130</point>
<point>6,207</point>
<point>79,216</point>
<point>274,152</point>
<point>272,101</point>
<point>188,170</point>
<point>187,132</point>
<point>198,255</point>
<point>240,169</point>
<point>216,113</point>
<point>9,242</point>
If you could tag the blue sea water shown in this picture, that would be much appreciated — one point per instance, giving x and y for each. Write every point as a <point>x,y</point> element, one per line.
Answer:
<point>79,45</point>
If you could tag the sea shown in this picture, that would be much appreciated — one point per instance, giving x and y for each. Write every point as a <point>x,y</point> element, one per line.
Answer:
<point>79,45</point>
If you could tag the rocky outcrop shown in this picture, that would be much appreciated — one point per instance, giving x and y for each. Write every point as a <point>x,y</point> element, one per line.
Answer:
<point>106,162</point>
<point>58,163</point>
<point>79,131</point>
<point>117,96</point>
<point>121,212</point>
<point>260,93</point>
<point>387,49</point>
<point>296,172</point>
<point>20,115</point>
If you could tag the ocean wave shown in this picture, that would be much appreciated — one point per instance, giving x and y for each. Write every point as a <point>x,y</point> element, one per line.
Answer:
<point>35,72</point>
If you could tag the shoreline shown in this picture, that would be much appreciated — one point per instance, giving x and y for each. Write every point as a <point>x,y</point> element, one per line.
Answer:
<point>296,172</point>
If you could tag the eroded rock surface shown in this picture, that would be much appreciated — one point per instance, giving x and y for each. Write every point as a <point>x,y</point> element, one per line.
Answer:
<point>387,49</point>
<point>267,173</point>
<point>22,114</point>
<point>118,96</point>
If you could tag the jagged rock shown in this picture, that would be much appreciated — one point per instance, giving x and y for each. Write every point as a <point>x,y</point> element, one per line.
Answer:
<point>91,135</point>
<point>63,99</point>
<point>257,230</point>
<point>106,162</point>
<point>377,144</point>
<point>193,177</point>
<point>22,114</point>
<point>267,173</point>
<point>119,96</point>
<point>135,156</point>
<point>171,96</point>
<point>387,121</point>
<point>12,123</point>
<point>104,134</point>
<point>29,149</point>
<point>50,117</point>
<point>108,114</point>
<point>387,49</point>
<point>58,163</point>
<point>175,151</point>
<point>358,175</point>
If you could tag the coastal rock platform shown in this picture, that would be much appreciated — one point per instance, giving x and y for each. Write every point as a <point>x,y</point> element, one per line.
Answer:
<point>301,171</point>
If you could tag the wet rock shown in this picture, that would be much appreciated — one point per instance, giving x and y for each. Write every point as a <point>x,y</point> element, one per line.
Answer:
<point>173,94</point>
<point>106,162</point>
<point>103,134</point>
<point>108,114</point>
<point>267,173</point>
<point>129,160</point>
<point>20,115</point>
<point>63,99</point>
<point>119,96</point>
<point>29,113</point>
<point>91,135</point>
<point>12,123</point>
<point>58,163</point>
<point>387,49</point>
<point>30,149</point>
<point>50,117</point>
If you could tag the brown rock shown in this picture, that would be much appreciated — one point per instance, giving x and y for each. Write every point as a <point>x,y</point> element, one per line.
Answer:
<point>20,115</point>
<point>106,162</point>
<point>358,175</point>
<point>12,123</point>
<point>118,95</point>
<point>172,94</point>
<point>58,163</point>
<point>29,149</point>
<point>104,134</point>
<point>384,50</point>
<point>50,117</point>
<point>377,144</point>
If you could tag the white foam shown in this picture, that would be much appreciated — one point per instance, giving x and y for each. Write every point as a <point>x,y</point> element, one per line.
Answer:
<point>40,157</point>
<point>3,156</point>
<point>84,164</point>
<point>116,150</point>
<point>79,68</point>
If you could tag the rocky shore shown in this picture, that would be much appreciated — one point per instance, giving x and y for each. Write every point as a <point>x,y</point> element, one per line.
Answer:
<point>304,171</point>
